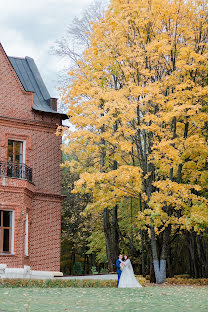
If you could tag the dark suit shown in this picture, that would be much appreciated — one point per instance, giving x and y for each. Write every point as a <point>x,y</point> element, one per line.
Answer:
<point>118,270</point>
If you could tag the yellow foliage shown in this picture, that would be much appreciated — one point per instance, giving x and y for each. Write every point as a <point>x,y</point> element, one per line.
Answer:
<point>139,99</point>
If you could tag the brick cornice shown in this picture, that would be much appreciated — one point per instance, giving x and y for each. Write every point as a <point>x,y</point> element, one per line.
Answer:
<point>31,193</point>
<point>14,185</point>
<point>43,195</point>
<point>27,124</point>
<point>15,189</point>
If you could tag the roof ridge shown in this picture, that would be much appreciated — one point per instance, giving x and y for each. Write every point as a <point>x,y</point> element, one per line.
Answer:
<point>38,79</point>
<point>18,57</point>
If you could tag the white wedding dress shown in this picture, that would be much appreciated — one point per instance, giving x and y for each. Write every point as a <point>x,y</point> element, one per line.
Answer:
<point>128,279</point>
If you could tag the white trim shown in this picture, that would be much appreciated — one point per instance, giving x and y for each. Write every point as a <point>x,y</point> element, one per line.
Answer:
<point>12,240</point>
<point>23,151</point>
<point>11,245</point>
<point>26,235</point>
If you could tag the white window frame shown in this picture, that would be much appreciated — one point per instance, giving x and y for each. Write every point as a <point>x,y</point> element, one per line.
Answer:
<point>12,241</point>
<point>26,236</point>
<point>23,147</point>
<point>11,252</point>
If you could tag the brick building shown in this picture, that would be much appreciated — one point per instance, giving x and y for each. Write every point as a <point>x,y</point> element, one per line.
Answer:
<point>30,176</point>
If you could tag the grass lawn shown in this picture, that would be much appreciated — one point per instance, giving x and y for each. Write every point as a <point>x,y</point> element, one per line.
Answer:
<point>167,299</point>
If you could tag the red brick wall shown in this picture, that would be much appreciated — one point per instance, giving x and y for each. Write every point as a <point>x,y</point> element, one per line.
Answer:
<point>45,234</point>
<point>46,159</point>
<point>42,200</point>
<point>18,102</point>
<point>16,196</point>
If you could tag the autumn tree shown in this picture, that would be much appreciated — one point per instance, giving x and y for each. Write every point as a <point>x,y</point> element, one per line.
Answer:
<point>138,101</point>
<point>70,48</point>
<point>76,228</point>
<point>76,39</point>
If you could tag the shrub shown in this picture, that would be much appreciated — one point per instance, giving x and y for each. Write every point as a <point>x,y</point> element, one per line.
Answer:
<point>57,283</point>
<point>182,276</point>
<point>77,269</point>
<point>141,280</point>
<point>187,281</point>
<point>94,270</point>
<point>104,271</point>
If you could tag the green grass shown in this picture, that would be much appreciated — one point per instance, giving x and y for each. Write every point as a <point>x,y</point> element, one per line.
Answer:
<point>153,299</point>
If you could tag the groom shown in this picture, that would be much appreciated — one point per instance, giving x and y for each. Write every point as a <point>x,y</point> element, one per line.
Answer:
<point>118,262</point>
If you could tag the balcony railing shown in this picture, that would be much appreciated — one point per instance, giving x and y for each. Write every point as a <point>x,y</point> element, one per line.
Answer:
<point>16,170</point>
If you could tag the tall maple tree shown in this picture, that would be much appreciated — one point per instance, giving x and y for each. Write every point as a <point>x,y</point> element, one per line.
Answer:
<point>138,99</point>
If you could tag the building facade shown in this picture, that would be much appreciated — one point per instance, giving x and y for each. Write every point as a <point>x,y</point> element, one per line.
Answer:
<point>30,174</point>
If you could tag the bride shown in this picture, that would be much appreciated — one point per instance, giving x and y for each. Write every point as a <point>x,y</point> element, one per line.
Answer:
<point>127,279</point>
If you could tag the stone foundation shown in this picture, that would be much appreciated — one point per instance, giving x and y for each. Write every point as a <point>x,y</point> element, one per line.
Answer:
<point>26,272</point>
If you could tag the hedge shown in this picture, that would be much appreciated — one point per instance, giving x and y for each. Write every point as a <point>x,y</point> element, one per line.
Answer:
<point>96,283</point>
<point>187,281</point>
<point>57,283</point>
<point>93,283</point>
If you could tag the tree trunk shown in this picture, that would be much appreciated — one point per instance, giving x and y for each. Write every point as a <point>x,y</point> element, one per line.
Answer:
<point>146,256</point>
<point>160,270</point>
<point>205,246</point>
<point>192,249</point>
<point>73,259</point>
<point>198,254</point>
<point>93,259</point>
<point>160,263</point>
<point>108,240</point>
<point>170,270</point>
<point>88,265</point>
<point>115,233</point>
<point>84,266</point>
<point>155,256</point>
<point>152,272</point>
<point>202,255</point>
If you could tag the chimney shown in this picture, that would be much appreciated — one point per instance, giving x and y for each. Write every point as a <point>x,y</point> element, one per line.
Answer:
<point>53,103</point>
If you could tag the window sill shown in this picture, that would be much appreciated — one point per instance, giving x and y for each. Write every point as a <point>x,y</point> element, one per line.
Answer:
<point>7,254</point>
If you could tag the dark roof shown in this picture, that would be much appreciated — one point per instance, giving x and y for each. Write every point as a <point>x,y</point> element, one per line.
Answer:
<point>31,80</point>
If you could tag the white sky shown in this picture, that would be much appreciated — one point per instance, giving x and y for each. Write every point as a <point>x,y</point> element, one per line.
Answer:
<point>29,28</point>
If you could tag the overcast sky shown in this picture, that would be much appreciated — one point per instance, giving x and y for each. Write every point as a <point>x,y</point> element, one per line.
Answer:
<point>29,28</point>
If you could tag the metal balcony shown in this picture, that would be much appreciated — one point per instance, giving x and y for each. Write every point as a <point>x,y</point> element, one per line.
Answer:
<point>15,170</point>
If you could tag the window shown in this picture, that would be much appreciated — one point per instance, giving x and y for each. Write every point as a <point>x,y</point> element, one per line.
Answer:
<point>15,162</point>
<point>15,151</point>
<point>5,231</point>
